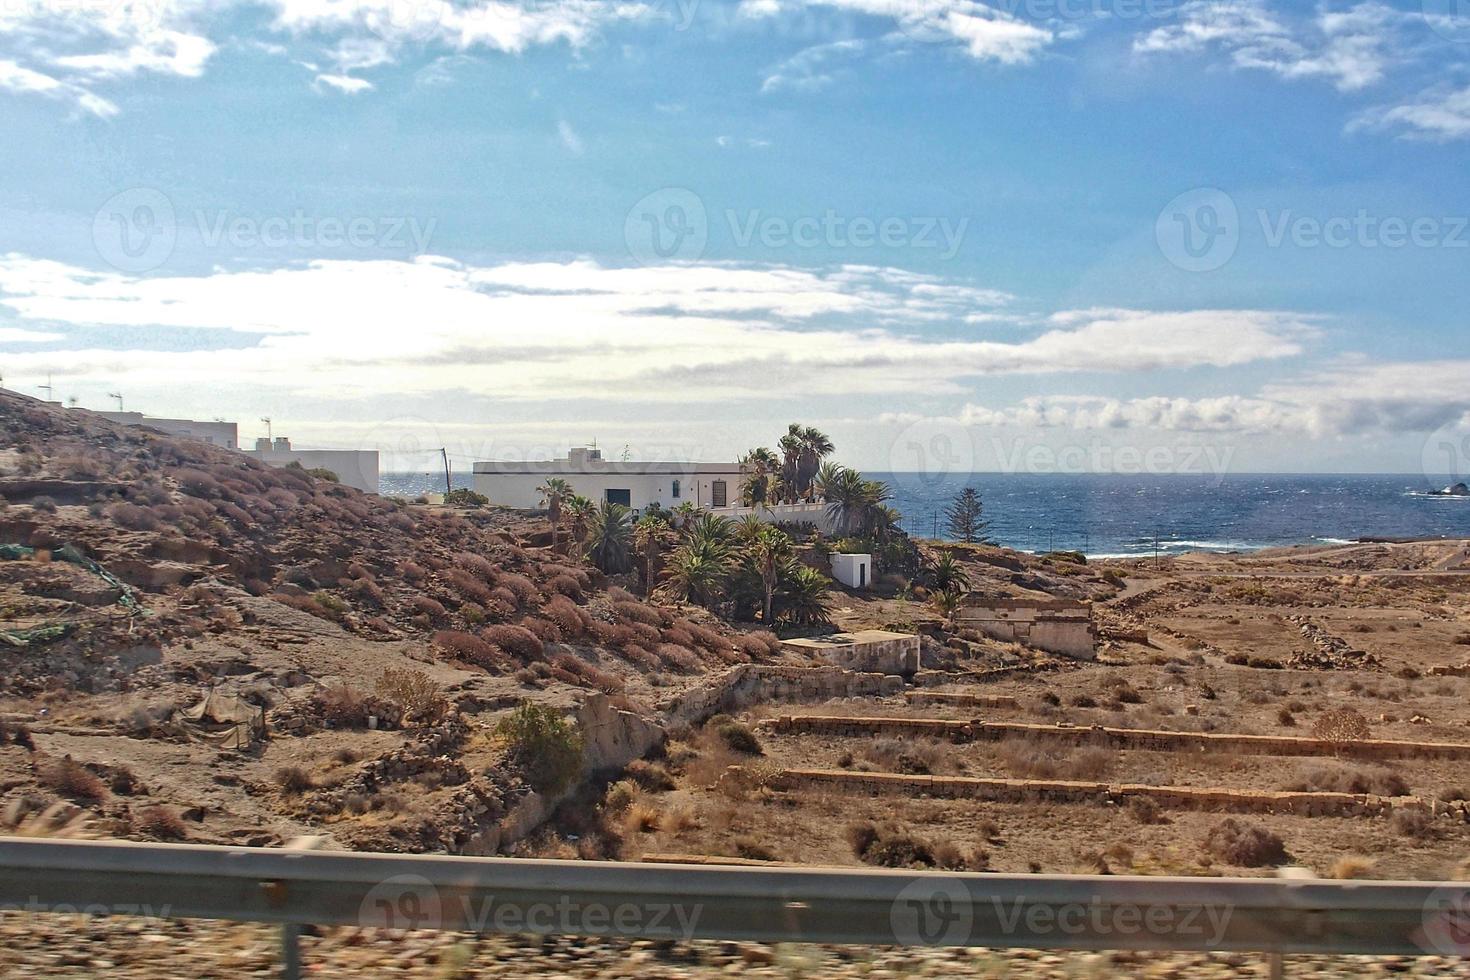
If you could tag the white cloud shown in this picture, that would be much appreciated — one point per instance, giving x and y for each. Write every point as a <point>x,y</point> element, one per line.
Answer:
<point>13,335</point>
<point>537,331</point>
<point>17,78</point>
<point>569,138</point>
<point>984,32</point>
<point>1440,114</point>
<point>809,69</point>
<point>344,83</point>
<point>1353,49</point>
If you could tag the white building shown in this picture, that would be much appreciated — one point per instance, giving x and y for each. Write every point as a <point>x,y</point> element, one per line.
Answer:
<point>224,434</point>
<point>711,486</point>
<point>853,571</point>
<point>353,467</point>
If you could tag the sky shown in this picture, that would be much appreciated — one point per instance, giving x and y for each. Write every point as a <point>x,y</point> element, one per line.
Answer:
<point>1036,235</point>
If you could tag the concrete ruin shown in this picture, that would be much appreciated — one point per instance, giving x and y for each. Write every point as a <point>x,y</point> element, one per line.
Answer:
<point>1060,626</point>
<point>871,651</point>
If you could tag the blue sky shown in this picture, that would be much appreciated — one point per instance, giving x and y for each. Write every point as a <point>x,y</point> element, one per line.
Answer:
<point>946,231</point>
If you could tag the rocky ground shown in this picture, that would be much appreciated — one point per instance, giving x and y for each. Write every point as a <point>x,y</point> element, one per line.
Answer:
<point>196,950</point>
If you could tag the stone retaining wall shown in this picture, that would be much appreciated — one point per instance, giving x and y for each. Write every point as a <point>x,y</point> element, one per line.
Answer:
<point>1131,738</point>
<point>749,684</point>
<point>1213,799</point>
<point>963,700</point>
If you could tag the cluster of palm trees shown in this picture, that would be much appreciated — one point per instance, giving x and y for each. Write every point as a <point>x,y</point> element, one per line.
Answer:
<point>787,477</point>
<point>743,567</point>
<point>604,534</point>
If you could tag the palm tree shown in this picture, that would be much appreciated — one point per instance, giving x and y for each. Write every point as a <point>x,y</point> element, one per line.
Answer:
<point>847,500</point>
<point>554,491</point>
<point>685,512</point>
<point>698,570</point>
<point>709,527</point>
<point>801,596</point>
<point>876,517</point>
<point>767,552</point>
<point>757,467</point>
<point>610,534</point>
<point>947,575</point>
<point>827,475</point>
<point>579,511</point>
<point>791,448</point>
<point>947,602</point>
<point>815,447</point>
<point>645,538</point>
<point>748,528</point>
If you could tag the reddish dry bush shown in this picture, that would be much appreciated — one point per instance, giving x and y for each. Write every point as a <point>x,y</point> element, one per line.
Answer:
<point>367,592</point>
<point>708,638</point>
<point>471,649</point>
<point>477,566</point>
<point>569,619</point>
<point>637,612</point>
<point>619,594</point>
<point>518,641</point>
<point>470,587</point>
<point>412,571</point>
<point>69,778</point>
<point>522,588</point>
<point>641,658</point>
<point>505,597</point>
<point>432,608</point>
<point>565,585</point>
<point>133,517</point>
<point>678,658</point>
<point>614,635</point>
<point>160,822</point>
<point>753,645</point>
<point>545,629</point>
<point>307,604</point>
<point>678,635</point>
<point>584,673</point>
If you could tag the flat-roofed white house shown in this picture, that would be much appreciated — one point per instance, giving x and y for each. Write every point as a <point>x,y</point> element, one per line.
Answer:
<point>218,433</point>
<point>634,484</point>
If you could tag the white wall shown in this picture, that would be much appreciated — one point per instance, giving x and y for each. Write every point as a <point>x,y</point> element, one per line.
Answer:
<point>355,468</point>
<point>225,434</point>
<point>520,489</point>
<point>845,569</point>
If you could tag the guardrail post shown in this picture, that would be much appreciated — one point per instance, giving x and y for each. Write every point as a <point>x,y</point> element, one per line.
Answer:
<point>291,951</point>
<point>1275,967</point>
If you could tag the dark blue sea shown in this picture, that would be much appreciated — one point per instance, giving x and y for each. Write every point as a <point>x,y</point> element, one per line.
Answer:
<point>1105,514</point>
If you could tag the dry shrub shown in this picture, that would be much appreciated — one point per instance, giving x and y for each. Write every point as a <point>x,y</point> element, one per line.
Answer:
<point>477,566</point>
<point>891,845</point>
<point>754,645</point>
<point>1341,725</point>
<point>617,593</point>
<point>293,780</point>
<point>132,517</point>
<point>614,635</point>
<point>367,592</point>
<point>644,659</point>
<point>470,648</point>
<point>1340,779</point>
<point>412,572</point>
<point>651,776</point>
<point>896,755</point>
<point>643,818</point>
<point>569,619</point>
<point>736,737</point>
<point>425,606</point>
<point>620,796</point>
<point>753,850</point>
<point>522,588</point>
<point>565,585</point>
<point>546,631</point>
<point>1028,759</point>
<point>1145,809</point>
<point>1244,845</point>
<point>160,822</point>
<point>69,778</point>
<point>637,612</point>
<point>518,641</point>
<point>1413,822</point>
<point>678,636</point>
<point>417,695</point>
<point>678,658</point>
<point>645,635</point>
<point>708,638</point>
<point>468,586</point>
<point>1351,866</point>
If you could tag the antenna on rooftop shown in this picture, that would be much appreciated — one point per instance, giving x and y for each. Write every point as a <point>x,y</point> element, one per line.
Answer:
<point>46,387</point>
<point>72,401</point>
<point>118,396</point>
<point>267,420</point>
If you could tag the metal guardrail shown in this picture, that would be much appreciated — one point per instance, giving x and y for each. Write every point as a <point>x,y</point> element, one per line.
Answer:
<point>300,887</point>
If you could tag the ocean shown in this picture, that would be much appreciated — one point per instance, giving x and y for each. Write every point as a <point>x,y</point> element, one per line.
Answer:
<point>1106,515</point>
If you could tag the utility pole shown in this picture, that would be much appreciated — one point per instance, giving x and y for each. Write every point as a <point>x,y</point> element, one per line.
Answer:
<point>448,487</point>
<point>46,387</point>
<point>268,434</point>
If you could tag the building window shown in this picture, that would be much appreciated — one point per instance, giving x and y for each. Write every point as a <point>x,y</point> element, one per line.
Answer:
<point>717,493</point>
<point>676,490</point>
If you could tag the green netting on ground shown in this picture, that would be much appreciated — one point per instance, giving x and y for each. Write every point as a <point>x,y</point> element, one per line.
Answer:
<point>15,552</point>
<point>36,635</point>
<point>50,632</point>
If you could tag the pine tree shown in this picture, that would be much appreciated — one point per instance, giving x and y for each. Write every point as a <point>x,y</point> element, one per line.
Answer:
<point>965,517</point>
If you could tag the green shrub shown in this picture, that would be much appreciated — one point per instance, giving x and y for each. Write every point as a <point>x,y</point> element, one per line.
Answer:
<point>737,737</point>
<point>546,745</point>
<point>465,497</point>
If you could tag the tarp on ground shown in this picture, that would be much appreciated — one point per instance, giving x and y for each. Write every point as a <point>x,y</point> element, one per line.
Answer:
<point>245,721</point>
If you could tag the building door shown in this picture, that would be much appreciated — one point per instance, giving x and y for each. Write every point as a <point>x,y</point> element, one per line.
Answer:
<point>624,497</point>
<point>862,575</point>
<point>717,494</point>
